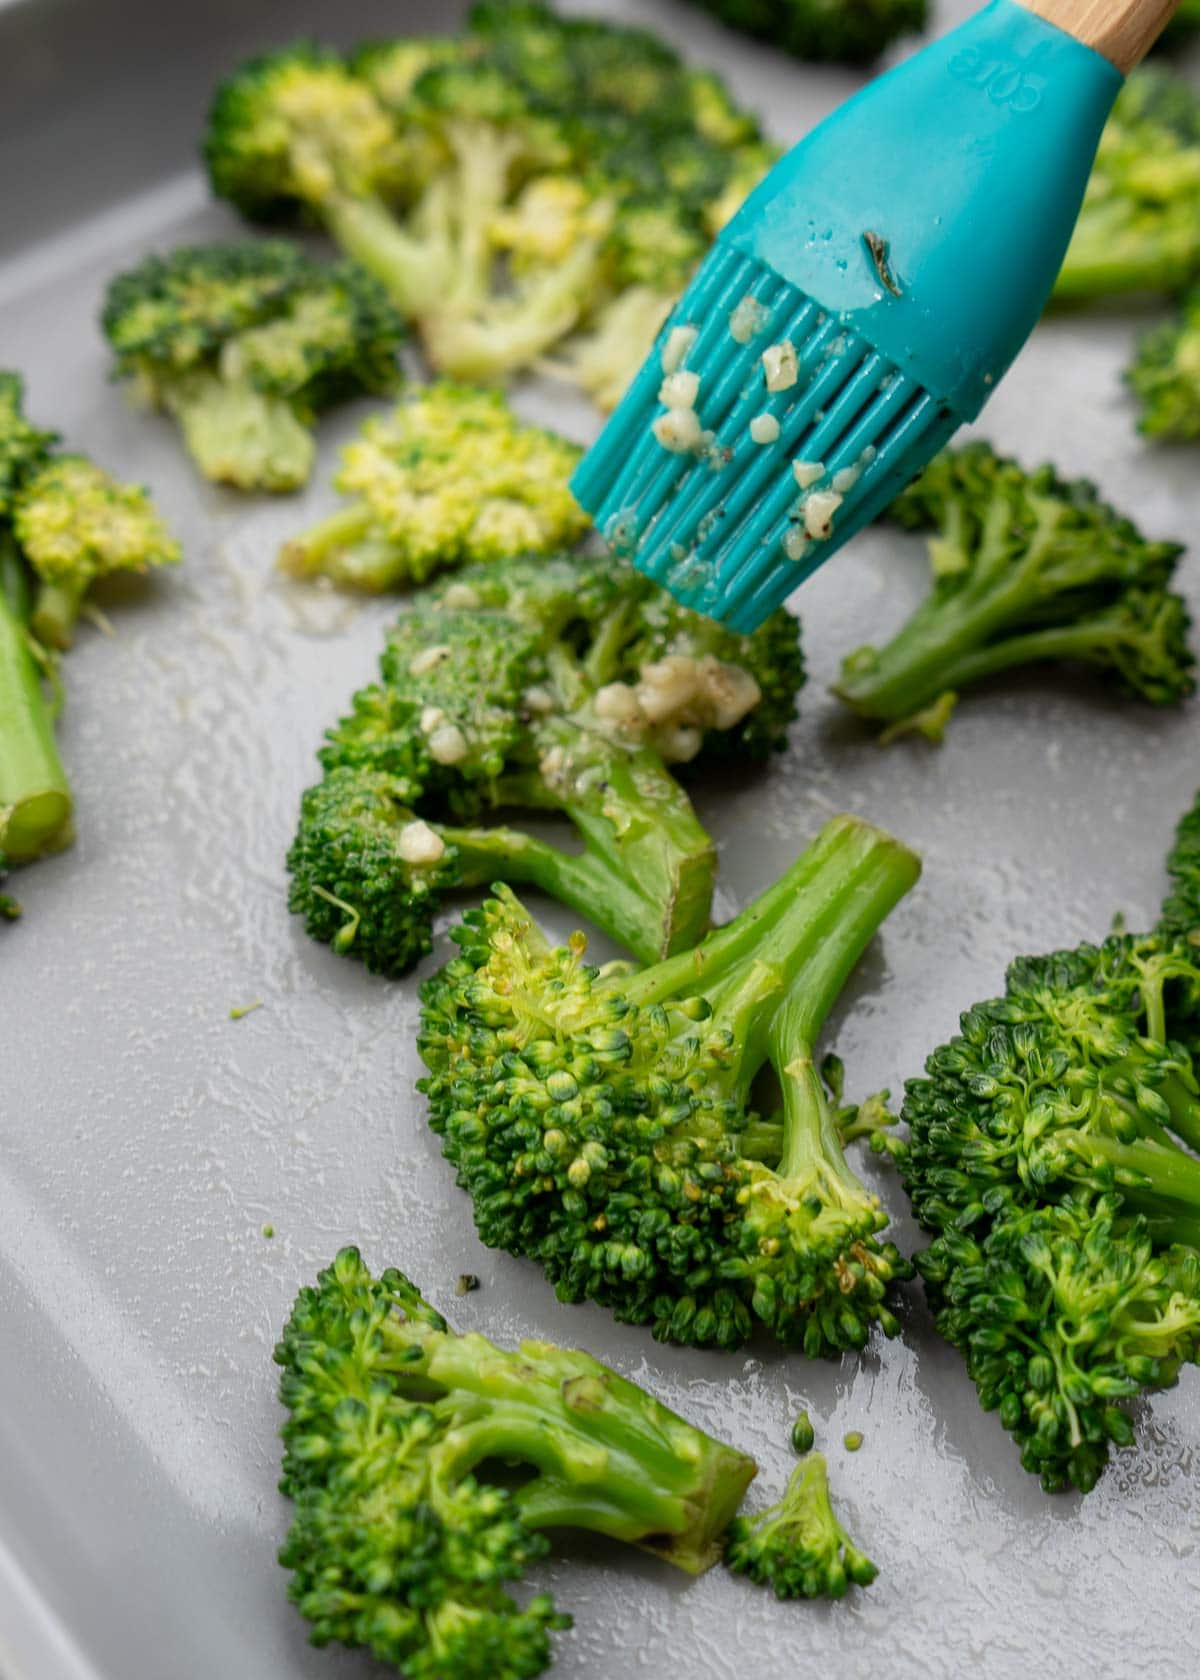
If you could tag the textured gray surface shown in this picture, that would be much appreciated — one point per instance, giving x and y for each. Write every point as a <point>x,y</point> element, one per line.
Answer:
<point>146,1138</point>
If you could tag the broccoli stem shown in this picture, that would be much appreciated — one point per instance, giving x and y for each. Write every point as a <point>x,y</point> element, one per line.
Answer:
<point>1107,256</point>
<point>597,883</point>
<point>638,826</point>
<point>1162,1182</point>
<point>342,548</point>
<point>415,271</point>
<point>238,435</point>
<point>35,797</point>
<point>610,1458</point>
<point>56,610</point>
<point>801,937</point>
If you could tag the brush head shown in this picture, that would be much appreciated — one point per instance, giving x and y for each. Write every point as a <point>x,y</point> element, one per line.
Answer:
<point>861,305</point>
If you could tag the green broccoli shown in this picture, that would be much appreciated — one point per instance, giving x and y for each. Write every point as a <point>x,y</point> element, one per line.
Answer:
<point>1139,229</point>
<point>10,909</point>
<point>558,685</point>
<point>850,31</point>
<point>1184,24</point>
<point>1181,910</point>
<point>1051,1153</point>
<point>599,1118</point>
<point>1027,568</point>
<point>244,344</point>
<point>798,1547</point>
<point>74,524</point>
<point>35,796</point>
<point>1165,376</point>
<point>450,475</point>
<point>492,183</point>
<point>400,1541</point>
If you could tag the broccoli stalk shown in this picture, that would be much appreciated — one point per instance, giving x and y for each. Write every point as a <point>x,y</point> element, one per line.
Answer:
<point>400,1542</point>
<point>612,1153</point>
<point>797,1547</point>
<point>35,797</point>
<point>1027,569</point>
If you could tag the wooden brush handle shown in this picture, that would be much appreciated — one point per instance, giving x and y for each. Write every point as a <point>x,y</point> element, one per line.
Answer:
<point>1123,31</point>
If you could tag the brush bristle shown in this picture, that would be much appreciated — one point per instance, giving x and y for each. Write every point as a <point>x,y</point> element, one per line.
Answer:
<point>728,526</point>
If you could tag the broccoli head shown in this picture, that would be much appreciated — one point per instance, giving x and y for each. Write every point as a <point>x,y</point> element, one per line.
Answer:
<point>850,31</point>
<point>23,446</point>
<point>74,523</point>
<point>597,1116</point>
<point>450,475</point>
<point>493,183</point>
<point>244,344</point>
<point>1181,910</point>
<point>1165,376</point>
<point>561,685</point>
<point>797,1547</point>
<point>1028,568</point>
<point>1139,229</point>
<point>1051,1154</point>
<point>400,1542</point>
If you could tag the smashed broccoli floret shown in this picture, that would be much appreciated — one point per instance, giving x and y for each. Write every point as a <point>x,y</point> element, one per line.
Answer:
<point>1139,229</point>
<point>244,344</point>
<point>1181,909</point>
<point>1052,1155</point>
<point>599,1118</point>
<point>797,1547</point>
<point>23,446</point>
<point>497,183</point>
<point>74,524</point>
<point>850,31</point>
<point>450,475</point>
<point>1165,376</point>
<point>1027,568</point>
<point>562,685</point>
<point>401,1540</point>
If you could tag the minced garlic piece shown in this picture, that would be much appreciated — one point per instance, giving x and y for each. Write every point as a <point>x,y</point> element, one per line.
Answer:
<point>679,743</point>
<point>538,700</point>
<point>678,430</point>
<point>674,351</point>
<point>807,473</point>
<point>845,479</point>
<point>422,663</point>
<point>819,510</point>
<point>780,366</point>
<point>616,702</point>
<point>419,844</point>
<point>764,428</point>
<point>748,319</point>
<point>795,544</point>
<point>448,744</point>
<point>431,716</point>
<point>460,597</point>
<point>679,390</point>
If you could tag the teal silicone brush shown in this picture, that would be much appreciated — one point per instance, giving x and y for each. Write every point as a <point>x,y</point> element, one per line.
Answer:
<point>861,305</point>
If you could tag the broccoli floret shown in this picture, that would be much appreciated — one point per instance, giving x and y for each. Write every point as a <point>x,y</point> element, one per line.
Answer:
<point>1181,910</point>
<point>74,523</point>
<point>10,909</point>
<point>1139,229</point>
<point>849,31</point>
<point>450,475</point>
<point>596,1116</point>
<point>798,1547</point>
<point>1165,376</point>
<point>560,685</point>
<point>245,344</point>
<point>1027,568</point>
<point>401,1543</point>
<point>1051,1153</point>
<point>488,181</point>
<point>23,446</point>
